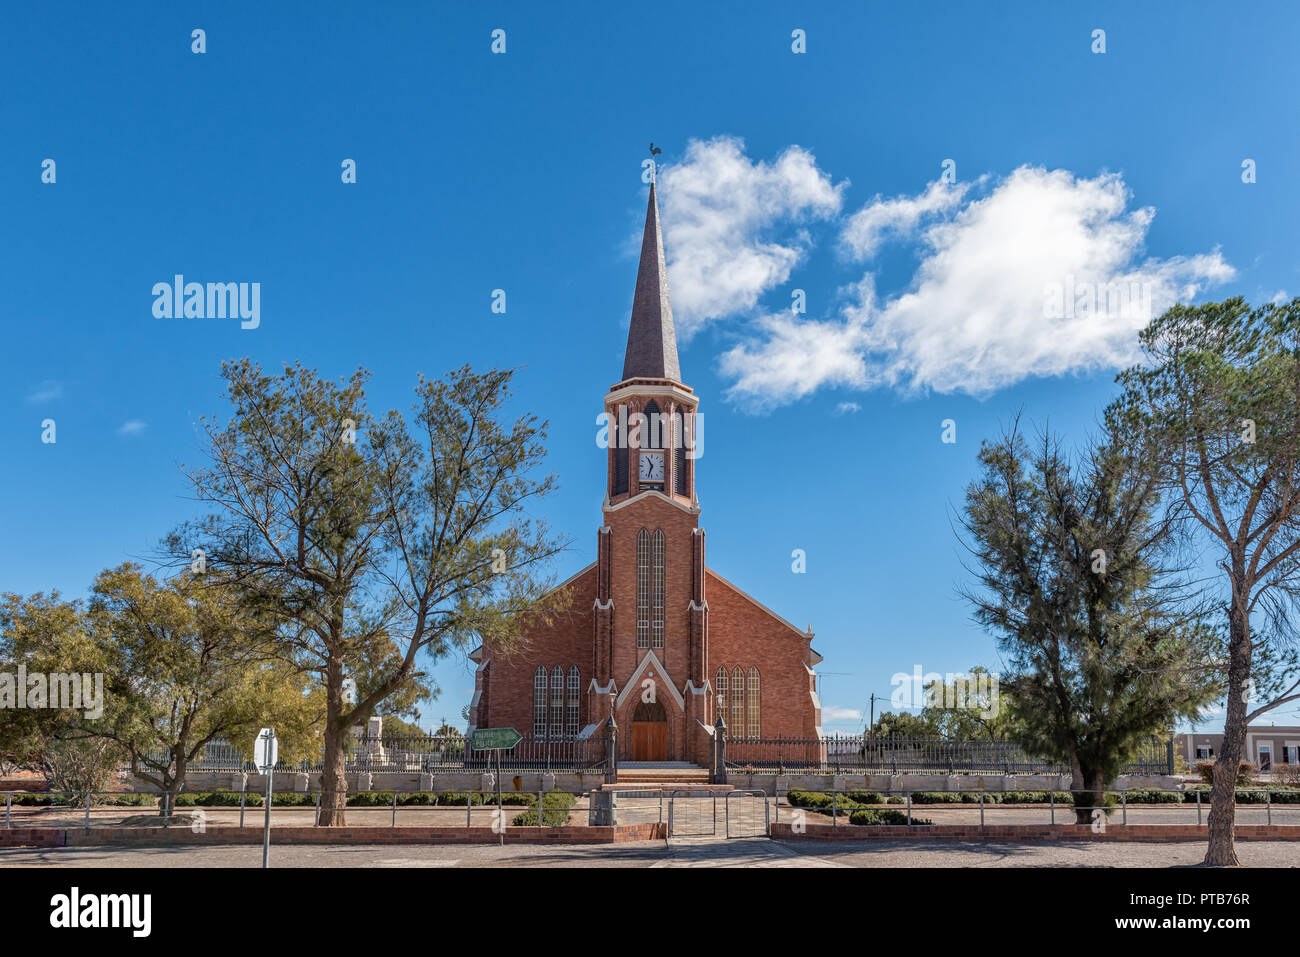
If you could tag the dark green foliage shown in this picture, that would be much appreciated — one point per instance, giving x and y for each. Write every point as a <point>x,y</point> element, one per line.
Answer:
<point>872,816</point>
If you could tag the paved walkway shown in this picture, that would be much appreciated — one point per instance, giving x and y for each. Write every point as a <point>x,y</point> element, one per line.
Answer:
<point>748,852</point>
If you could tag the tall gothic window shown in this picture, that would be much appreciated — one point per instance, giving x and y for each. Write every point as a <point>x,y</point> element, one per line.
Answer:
<point>751,702</point>
<point>737,729</point>
<point>653,436</point>
<point>557,701</point>
<point>643,589</point>
<point>539,702</point>
<point>681,462</point>
<point>621,455</point>
<point>657,590</point>
<point>720,689</point>
<point>571,715</point>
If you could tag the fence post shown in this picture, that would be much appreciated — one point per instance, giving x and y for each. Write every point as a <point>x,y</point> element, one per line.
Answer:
<point>8,804</point>
<point>909,809</point>
<point>981,806</point>
<point>167,807</point>
<point>1123,800</point>
<point>834,818</point>
<point>720,743</point>
<point>780,755</point>
<point>1268,799</point>
<point>315,822</point>
<point>242,791</point>
<point>88,797</point>
<point>469,804</point>
<point>394,824</point>
<point>1169,754</point>
<point>539,805</point>
<point>1051,802</point>
<point>1198,808</point>
<point>611,749</point>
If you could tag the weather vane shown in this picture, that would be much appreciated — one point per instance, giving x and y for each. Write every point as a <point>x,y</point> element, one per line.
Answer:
<point>654,167</point>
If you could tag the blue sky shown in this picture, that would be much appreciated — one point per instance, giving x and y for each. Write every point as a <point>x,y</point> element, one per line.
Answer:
<point>819,171</point>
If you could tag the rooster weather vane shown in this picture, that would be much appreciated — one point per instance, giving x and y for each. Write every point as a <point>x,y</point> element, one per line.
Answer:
<point>654,166</point>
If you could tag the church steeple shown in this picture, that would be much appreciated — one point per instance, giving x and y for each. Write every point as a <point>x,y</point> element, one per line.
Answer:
<point>651,341</point>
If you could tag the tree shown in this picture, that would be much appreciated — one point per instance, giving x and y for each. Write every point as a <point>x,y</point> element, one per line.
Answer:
<point>1219,392</point>
<point>187,665</point>
<point>183,664</point>
<point>375,543</point>
<point>969,708</point>
<point>903,724</point>
<point>1073,580</point>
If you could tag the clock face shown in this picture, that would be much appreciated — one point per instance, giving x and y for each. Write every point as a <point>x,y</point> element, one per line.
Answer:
<point>652,467</point>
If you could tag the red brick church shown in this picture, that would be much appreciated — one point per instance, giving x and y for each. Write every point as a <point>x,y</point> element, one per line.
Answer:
<point>653,634</point>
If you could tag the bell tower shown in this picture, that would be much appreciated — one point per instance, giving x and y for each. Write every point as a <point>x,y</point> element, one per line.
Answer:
<point>651,412</point>
<point>651,616</point>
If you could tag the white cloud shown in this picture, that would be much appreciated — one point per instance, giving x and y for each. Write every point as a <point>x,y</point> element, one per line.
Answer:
<point>47,391</point>
<point>719,209</point>
<point>837,713</point>
<point>132,427</point>
<point>866,230</point>
<point>979,312</point>
<point>844,408</point>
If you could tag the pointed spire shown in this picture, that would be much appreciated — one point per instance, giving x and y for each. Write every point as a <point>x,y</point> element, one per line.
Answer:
<point>651,341</point>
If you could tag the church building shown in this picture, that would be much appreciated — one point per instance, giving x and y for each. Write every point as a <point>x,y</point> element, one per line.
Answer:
<point>653,635</point>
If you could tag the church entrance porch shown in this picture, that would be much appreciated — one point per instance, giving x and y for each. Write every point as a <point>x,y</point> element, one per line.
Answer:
<point>650,732</point>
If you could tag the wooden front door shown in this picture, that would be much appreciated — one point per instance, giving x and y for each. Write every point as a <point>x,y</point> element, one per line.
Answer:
<point>649,732</point>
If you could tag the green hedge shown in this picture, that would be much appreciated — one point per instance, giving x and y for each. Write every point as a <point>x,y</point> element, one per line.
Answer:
<point>877,816</point>
<point>551,817</point>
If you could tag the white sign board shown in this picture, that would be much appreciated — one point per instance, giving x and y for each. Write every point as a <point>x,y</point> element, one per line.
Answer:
<point>265,749</point>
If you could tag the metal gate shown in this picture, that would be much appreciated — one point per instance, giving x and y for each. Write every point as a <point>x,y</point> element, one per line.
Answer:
<point>747,814</point>
<point>734,814</point>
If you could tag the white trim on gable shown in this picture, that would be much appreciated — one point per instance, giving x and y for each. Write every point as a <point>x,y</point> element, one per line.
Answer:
<point>640,670</point>
<point>688,509</point>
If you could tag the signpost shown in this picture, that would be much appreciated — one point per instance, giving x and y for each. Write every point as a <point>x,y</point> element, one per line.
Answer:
<point>498,740</point>
<point>265,751</point>
<point>494,739</point>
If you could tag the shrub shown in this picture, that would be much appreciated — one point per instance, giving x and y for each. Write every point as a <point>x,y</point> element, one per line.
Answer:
<point>936,797</point>
<point>1152,796</point>
<point>458,799</point>
<point>864,797</point>
<point>1286,774</point>
<point>551,817</point>
<point>873,816</point>
<point>1245,773</point>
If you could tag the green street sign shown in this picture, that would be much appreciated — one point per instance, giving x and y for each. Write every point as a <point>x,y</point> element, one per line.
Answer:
<point>491,739</point>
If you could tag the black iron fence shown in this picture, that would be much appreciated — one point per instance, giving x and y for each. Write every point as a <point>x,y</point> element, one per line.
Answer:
<point>424,754</point>
<point>897,754</point>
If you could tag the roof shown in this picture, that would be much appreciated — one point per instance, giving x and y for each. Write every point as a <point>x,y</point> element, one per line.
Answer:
<point>651,340</point>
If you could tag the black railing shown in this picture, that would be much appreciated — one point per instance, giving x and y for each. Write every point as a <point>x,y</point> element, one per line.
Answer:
<point>425,754</point>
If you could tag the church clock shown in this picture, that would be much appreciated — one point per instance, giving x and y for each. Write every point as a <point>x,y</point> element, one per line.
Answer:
<point>651,474</point>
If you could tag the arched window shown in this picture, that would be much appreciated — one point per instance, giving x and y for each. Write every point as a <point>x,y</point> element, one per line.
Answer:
<point>720,690</point>
<point>571,716</point>
<point>681,462</point>
<point>643,589</point>
<point>557,701</point>
<point>737,729</point>
<point>657,590</point>
<point>751,704</point>
<point>539,702</point>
